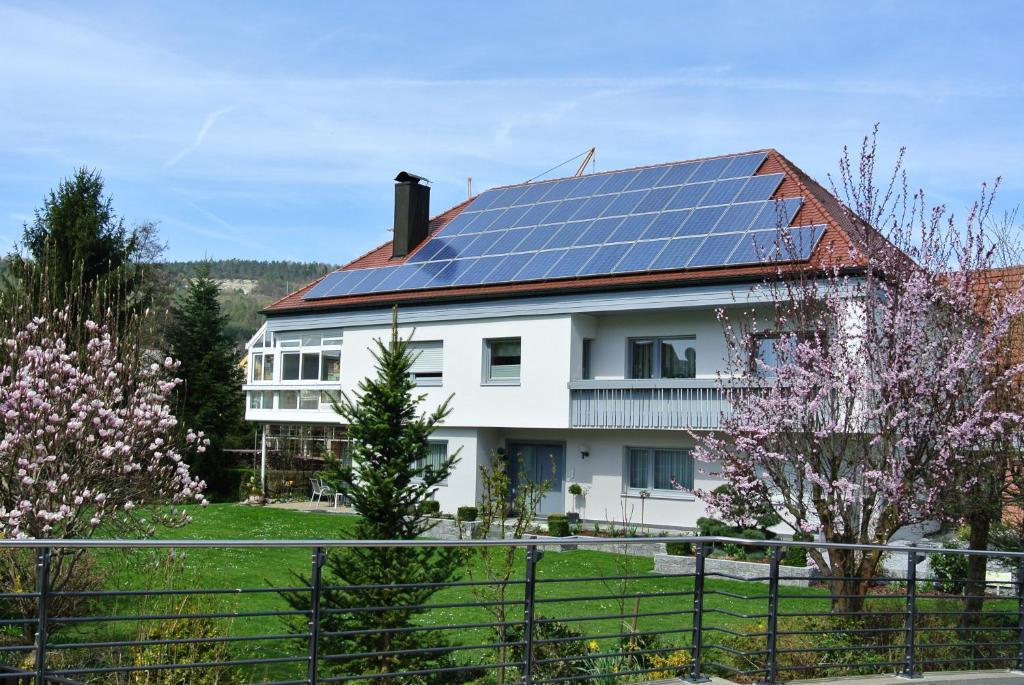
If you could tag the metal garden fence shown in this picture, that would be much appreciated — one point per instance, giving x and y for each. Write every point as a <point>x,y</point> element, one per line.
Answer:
<point>565,616</point>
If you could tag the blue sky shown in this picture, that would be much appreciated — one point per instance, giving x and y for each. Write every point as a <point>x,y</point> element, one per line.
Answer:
<point>273,130</point>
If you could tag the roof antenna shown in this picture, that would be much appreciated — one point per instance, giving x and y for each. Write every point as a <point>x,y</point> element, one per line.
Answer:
<point>586,160</point>
<point>469,187</point>
<point>579,172</point>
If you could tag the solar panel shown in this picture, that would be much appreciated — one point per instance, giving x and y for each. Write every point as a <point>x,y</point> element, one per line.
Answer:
<point>640,256</point>
<point>715,250</point>
<point>705,213</point>
<point>540,264</point>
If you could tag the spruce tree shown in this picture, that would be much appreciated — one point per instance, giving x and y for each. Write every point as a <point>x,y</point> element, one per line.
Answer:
<point>388,482</point>
<point>78,252</point>
<point>211,398</point>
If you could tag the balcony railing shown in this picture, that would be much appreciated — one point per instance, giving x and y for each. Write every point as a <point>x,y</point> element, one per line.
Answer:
<point>704,612</point>
<point>695,404</point>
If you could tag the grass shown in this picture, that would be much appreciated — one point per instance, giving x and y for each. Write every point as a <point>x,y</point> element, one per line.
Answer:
<point>731,605</point>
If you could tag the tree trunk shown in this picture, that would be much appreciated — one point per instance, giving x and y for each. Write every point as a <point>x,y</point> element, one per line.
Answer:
<point>980,523</point>
<point>849,587</point>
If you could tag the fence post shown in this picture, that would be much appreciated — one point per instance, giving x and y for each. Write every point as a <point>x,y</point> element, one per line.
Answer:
<point>314,614</point>
<point>533,555</point>
<point>698,614</point>
<point>42,611</point>
<point>1020,614</point>
<point>771,667</point>
<point>909,666</point>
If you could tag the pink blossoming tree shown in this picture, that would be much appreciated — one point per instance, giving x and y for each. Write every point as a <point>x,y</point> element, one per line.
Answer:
<point>871,413</point>
<point>87,438</point>
<point>88,442</point>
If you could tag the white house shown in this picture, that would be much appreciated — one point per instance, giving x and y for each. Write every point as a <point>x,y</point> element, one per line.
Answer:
<point>574,321</point>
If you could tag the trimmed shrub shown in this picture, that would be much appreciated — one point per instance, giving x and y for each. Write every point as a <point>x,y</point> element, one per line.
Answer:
<point>950,570</point>
<point>431,506</point>
<point>558,525</point>
<point>713,527</point>
<point>576,489</point>
<point>797,556</point>
<point>679,549</point>
<point>753,551</point>
<point>466,514</point>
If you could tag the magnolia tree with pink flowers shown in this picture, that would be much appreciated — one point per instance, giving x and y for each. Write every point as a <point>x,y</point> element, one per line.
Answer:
<point>88,445</point>
<point>871,400</point>
<point>87,437</point>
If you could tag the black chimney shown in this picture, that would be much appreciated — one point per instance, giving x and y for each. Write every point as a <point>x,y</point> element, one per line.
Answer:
<point>412,213</point>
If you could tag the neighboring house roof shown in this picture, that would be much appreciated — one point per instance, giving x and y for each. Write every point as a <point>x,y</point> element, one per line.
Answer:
<point>841,245</point>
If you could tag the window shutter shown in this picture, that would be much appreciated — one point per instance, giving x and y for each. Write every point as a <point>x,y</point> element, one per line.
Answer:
<point>428,357</point>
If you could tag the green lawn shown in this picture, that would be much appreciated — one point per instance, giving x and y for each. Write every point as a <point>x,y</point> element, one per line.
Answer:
<point>267,567</point>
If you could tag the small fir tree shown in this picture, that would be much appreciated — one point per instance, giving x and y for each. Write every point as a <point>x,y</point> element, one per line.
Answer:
<point>388,482</point>
<point>210,399</point>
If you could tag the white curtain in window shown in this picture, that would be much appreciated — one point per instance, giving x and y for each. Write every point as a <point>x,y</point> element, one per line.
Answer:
<point>673,467</point>
<point>639,465</point>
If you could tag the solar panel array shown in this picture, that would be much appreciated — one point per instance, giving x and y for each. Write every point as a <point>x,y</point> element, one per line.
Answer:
<point>707,213</point>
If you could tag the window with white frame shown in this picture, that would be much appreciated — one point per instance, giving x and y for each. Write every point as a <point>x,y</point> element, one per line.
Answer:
<point>310,355</point>
<point>262,367</point>
<point>325,399</point>
<point>674,357</point>
<point>288,399</point>
<point>428,362</point>
<point>658,469</point>
<point>502,361</point>
<point>261,399</point>
<point>437,455</point>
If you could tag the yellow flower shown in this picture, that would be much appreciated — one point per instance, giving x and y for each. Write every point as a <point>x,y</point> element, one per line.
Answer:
<point>592,645</point>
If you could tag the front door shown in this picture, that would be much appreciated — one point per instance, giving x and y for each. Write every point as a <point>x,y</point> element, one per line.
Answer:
<point>540,462</point>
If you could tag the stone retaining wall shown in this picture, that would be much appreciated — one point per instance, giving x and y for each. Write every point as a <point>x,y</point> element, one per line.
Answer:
<point>796,576</point>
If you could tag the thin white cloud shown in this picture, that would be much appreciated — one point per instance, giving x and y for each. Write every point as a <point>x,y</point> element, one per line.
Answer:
<point>208,123</point>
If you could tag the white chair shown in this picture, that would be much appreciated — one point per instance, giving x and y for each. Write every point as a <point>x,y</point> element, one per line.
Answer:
<point>319,490</point>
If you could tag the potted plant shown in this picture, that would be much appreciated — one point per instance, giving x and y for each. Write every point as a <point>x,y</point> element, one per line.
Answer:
<point>255,492</point>
<point>576,490</point>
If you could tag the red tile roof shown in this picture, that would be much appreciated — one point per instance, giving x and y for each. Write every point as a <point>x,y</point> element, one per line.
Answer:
<point>838,247</point>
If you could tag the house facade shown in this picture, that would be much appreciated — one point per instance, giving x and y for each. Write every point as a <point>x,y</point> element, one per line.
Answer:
<point>574,322</point>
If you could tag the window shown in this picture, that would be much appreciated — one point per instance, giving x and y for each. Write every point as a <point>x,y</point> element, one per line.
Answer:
<point>324,338</point>
<point>261,400</point>
<point>436,457</point>
<point>330,365</point>
<point>262,367</point>
<point>310,366</point>
<point>306,361</point>
<point>326,396</point>
<point>502,360</point>
<point>657,469</point>
<point>773,349</point>
<point>309,399</point>
<point>662,358</point>
<point>290,362</point>
<point>428,362</point>
<point>288,399</point>
<point>588,346</point>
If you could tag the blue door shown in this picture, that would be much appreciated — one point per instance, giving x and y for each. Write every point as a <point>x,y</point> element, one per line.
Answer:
<point>540,462</point>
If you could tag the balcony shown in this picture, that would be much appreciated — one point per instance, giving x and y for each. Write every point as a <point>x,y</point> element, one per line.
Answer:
<point>667,404</point>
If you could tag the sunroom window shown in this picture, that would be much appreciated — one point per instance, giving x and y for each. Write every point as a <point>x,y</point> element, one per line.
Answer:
<point>262,366</point>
